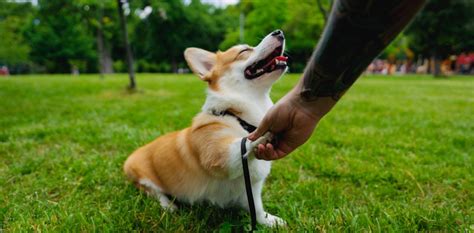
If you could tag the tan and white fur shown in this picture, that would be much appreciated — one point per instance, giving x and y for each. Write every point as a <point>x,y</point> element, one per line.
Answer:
<point>203,162</point>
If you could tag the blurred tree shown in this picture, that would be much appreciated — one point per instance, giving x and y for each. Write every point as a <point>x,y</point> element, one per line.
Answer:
<point>301,21</point>
<point>264,18</point>
<point>324,7</point>
<point>260,18</point>
<point>59,38</point>
<point>397,49</point>
<point>102,19</point>
<point>443,27</point>
<point>14,49</point>
<point>123,26</point>
<point>304,25</point>
<point>232,33</point>
<point>173,26</point>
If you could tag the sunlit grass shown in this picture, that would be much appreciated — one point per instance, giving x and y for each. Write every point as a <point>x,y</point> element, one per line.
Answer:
<point>395,154</point>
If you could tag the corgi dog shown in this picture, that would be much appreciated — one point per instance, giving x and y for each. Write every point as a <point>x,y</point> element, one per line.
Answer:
<point>203,162</point>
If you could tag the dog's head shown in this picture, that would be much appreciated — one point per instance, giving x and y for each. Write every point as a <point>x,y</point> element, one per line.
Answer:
<point>241,67</point>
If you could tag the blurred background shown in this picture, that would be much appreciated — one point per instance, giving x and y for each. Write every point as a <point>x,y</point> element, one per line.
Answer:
<point>394,155</point>
<point>84,36</point>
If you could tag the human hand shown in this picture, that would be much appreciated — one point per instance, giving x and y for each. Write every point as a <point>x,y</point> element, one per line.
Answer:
<point>292,121</point>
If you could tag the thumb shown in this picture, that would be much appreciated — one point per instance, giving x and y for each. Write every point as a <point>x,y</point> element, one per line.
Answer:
<point>262,128</point>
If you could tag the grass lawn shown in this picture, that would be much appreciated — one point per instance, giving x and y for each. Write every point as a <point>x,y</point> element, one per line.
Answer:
<point>396,154</point>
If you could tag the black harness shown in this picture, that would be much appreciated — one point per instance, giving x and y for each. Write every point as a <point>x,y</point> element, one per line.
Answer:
<point>248,127</point>
<point>243,151</point>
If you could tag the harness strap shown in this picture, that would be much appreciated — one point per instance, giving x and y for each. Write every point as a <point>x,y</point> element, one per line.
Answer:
<point>248,127</point>
<point>248,184</point>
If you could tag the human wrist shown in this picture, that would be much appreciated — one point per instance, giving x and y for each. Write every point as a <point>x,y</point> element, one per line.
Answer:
<point>317,108</point>
<point>309,108</point>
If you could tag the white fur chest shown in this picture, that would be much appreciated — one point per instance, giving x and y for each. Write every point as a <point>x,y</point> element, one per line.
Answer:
<point>227,192</point>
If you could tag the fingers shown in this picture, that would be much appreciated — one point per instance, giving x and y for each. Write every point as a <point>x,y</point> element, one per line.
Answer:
<point>268,152</point>
<point>262,128</point>
<point>266,138</point>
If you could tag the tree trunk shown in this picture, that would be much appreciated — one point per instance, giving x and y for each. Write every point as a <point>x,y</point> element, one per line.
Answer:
<point>323,11</point>
<point>174,65</point>
<point>241,27</point>
<point>108,62</point>
<point>123,25</point>
<point>429,68</point>
<point>437,66</point>
<point>105,60</point>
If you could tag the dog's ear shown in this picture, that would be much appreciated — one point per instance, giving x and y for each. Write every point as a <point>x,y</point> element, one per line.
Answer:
<point>200,61</point>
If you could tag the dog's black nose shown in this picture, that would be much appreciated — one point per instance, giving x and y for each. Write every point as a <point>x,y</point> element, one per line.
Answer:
<point>278,33</point>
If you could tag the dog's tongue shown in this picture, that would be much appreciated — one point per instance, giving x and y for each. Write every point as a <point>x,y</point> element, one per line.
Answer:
<point>272,64</point>
<point>277,61</point>
<point>280,61</point>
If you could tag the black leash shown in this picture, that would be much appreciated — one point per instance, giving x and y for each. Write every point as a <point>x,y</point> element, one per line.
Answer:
<point>248,184</point>
<point>245,166</point>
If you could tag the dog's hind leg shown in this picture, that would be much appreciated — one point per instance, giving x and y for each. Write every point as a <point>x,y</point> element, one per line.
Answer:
<point>156,192</point>
<point>137,169</point>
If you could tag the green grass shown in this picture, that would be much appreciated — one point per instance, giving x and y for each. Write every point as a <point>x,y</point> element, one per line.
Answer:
<point>396,154</point>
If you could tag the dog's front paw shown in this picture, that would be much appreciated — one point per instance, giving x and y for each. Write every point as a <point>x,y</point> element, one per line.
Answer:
<point>271,220</point>
<point>267,137</point>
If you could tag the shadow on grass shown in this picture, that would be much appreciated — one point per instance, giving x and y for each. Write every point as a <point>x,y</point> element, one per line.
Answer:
<point>200,217</point>
<point>215,218</point>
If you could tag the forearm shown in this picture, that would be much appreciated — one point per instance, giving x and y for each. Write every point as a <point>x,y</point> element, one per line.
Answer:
<point>356,32</point>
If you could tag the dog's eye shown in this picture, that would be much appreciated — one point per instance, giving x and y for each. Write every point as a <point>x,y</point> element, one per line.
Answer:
<point>243,53</point>
<point>245,50</point>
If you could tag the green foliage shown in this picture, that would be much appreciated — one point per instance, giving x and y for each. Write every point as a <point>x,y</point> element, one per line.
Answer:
<point>443,27</point>
<point>263,19</point>
<point>174,26</point>
<point>395,155</point>
<point>101,15</point>
<point>13,48</point>
<point>57,33</point>
<point>303,28</point>
<point>232,34</point>
<point>301,21</point>
<point>60,36</point>
<point>232,37</point>
<point>398,49</point>
<point>120,66</point>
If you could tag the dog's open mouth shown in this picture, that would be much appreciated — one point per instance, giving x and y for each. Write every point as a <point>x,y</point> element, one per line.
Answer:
<point>269,64</point>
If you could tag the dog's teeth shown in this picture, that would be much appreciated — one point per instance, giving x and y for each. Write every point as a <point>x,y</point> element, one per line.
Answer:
<point>259,70</point>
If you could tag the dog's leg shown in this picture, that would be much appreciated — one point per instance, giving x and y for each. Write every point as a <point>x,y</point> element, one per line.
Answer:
<point>234,164</point>
<point>157,193</point>
<point>267,137</point>
<point>262,216</point>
